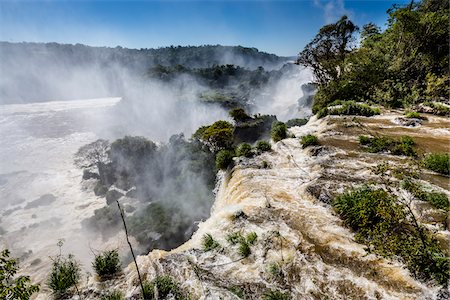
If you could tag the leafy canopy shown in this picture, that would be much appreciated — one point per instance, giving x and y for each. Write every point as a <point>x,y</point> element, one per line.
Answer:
<point>12,287</point>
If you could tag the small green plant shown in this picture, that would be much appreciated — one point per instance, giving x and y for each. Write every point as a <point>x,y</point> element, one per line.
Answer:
<point>65,274</point>
<point>279,131</point>
<point>265,165</point>
<point>404,146</point>
<point>107,264</point>
<point>244,149</point>
<point>114,295</point>
<point>276,295</point>
<point>12,286</point>
<point>209,243</point>
<point>413,115</point>
<point>244,249</point>
<point>238,291</point>
<point>438,162</point>
<point>274,270</point>
<point>251,238</point>
<point>224,158</point>
<point>234,238</point>
<point>166,288</point>
<point>263,146</point>
<point>309,140</point>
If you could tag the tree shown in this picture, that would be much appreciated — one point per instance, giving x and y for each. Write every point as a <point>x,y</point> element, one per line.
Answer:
<point>93,154</point>
<point>326,53</point>
<point>19,288</point>
<point>218,136</point>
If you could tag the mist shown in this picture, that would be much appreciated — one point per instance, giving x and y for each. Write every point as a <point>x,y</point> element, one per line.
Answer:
<point>53,105</point>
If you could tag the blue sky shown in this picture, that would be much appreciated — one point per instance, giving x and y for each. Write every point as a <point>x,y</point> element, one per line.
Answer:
<point>280,27</point>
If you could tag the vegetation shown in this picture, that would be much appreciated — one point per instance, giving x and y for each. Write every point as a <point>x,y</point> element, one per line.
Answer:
<point>413,115</point>
<point>218,136</point>
<point>65,274</point>
<point>107,264</point>
<point>276,295</point>
<point>438,200</point>
<point>244,249</point>
<point>244,243</point>
<point>166,288</point>
<point>279,131</point>
<point>251,238</point>
<point>438,108</point>
<point>238,291</point>
<point>404,146</point>
<point>309,140</point>
<point>11,286</point>
<point>239,115</point>
<point>187,167</point>
<point>348,108</point>
<point>274,270</point>
<point>404,65</point>
<point>209,243</point>
<point>263,146</point>
<point>114,295</point>
<point>224,158</point>
<point>438,162</point>
<point>296,122</point>
<point>244,149</point>
<point>389,228</point>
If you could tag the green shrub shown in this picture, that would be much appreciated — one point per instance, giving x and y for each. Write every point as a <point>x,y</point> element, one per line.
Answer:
<point>275,270</point>
<point>166,287</point>
<point>364,140</point>
<point>404,146</point>
<point>349,108</point>
<point>244,249</point>
<point>107,264</point>
<point>244,149</point>
<point>263,146</point>
<point>209,243</point>
<point>413,114</point>
<point>238,291</point>
<point>278,131</point>
<point>309,140</point>
<point>12,286</point>
<point>224,158</point>
<point>238,114</point>
<point>234,238</point>
<point>219,135</point>
<point>438,108</point>
<point>114,295</point>
<point>438,162</point>
<point>438,200</point>
<point>296,122</point>
<point>276,295</point>
<point>65,274</point>
<point>382,223</point>
<point>251,238</point>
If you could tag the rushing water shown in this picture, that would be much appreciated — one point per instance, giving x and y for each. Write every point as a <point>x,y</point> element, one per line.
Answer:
<point>42,198</point>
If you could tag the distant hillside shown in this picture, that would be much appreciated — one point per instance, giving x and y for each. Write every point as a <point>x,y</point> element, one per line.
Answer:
<point>38,71</point>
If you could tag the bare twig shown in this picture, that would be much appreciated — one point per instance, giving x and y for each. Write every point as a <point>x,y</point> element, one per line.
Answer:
<point>131,247</point>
